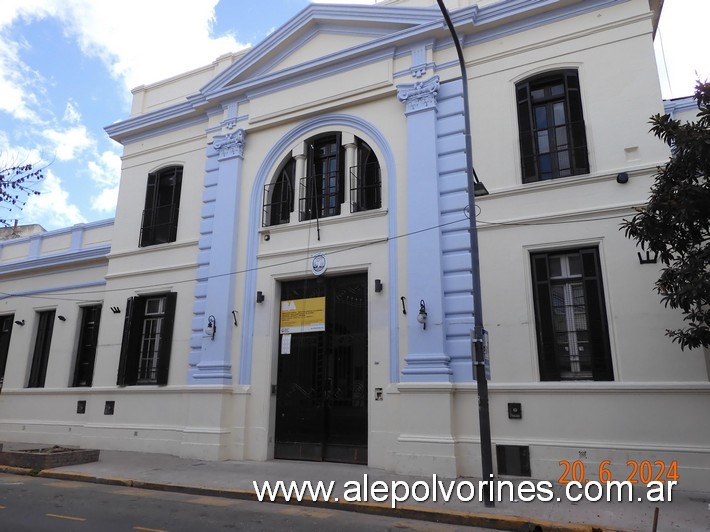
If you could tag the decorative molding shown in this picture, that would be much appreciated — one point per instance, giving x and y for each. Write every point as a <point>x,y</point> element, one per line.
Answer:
<point>230,145</point>
<point>678,105</point>
<point>263,174</point>
<point>319,14</point>
<point>590,387</point>
<point>419,64</point>
<point>52,289</point>
<point>57,259</point>
<point>419,96</point>
<point>230,122</point>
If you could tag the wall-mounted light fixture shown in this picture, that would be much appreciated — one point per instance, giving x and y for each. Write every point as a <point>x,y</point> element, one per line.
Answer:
<point>260,297</point>
<point>378,286</point>
<point>211,328</point>
<point>421,317</point>
<point>479,189</point>
<point>649,258</point>
<point>622,178</point>
<point>61,318</point>
<point>20,322</point>
<point>116,310</point>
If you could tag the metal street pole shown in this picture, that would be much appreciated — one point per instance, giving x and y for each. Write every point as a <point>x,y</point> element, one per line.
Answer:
<point>477,354</point>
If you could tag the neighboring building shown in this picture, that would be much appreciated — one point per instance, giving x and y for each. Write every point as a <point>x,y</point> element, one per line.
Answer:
<point>18,231</point>
<point>284,212</point>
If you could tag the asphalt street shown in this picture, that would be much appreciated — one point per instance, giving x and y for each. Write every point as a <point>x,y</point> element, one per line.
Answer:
<point>31,504</point>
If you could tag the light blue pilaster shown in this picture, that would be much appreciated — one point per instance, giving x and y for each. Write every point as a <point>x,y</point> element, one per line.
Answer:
<point>426,360</point>
<point>210,359</point>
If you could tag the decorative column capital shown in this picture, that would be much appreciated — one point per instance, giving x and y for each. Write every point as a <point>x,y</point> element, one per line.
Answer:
<point>230,145</point>
<point>419,96</point>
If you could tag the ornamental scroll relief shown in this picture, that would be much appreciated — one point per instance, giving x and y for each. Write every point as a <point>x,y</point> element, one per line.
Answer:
<point>420,95</point>
<point>230,145</point>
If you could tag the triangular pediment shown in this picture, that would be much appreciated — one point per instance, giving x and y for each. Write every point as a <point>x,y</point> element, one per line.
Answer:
<point>318,33</point>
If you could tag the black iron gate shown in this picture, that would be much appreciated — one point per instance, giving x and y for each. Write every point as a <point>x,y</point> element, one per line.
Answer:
<point>321,397</point>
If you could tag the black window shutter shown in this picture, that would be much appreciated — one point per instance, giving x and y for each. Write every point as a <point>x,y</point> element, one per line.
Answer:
<point>578,135</point>
<point>341,170</point>
<point>602,367</point>
<point>130,345</point>
<point>38,371</point>
<point>549,366</point>
<point>166,339</point>
<point>148,227</point>
<point>525,127</point>
<point>86,352</point>
<point>176,203</point>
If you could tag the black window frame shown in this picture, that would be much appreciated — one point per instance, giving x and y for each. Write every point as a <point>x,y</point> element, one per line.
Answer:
<point>133,327</point>
<point>162,207</point>
<point>322,194</point>
<point>600,360</point>
<point>43,343</point>
<point>539,91</point>
<point>365,180</point>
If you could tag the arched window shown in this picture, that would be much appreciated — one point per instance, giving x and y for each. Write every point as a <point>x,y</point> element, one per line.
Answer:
<point>279,194</point>
<point>553,142</point>
<point>365,187</point>
<point>322,186</point>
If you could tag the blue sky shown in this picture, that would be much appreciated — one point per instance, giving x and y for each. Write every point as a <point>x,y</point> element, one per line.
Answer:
<point>67,68</point>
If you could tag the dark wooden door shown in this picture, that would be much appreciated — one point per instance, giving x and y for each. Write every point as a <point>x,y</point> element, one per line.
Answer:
<point>321,398</point>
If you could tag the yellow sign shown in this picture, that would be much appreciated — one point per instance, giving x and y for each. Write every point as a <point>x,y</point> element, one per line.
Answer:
<point>303,315</point>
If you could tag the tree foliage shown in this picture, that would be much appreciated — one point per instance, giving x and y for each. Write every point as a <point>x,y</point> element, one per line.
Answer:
<point>17,182</point>
<point>676,221</point>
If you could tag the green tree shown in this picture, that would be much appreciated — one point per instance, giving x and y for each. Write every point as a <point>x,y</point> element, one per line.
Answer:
<point>676,221</point>
<point>17,183</point>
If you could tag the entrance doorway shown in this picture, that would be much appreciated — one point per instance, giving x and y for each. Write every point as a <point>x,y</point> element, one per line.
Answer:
<point>321,393</point>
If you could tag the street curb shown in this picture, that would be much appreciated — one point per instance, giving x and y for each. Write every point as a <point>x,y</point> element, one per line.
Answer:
<point>451,517</point>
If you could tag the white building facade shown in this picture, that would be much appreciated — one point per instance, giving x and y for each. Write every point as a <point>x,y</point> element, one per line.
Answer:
<point>286,212</point>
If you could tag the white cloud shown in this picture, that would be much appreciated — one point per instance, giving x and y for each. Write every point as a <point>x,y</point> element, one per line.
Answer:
<point>71,113</point>
<point>18,82</point>
<point>107,169</point>
<point>52,208</point>
<point>105,201</point>
<point>106,172</point>
<point>67,144</point>
<point>163,41</point>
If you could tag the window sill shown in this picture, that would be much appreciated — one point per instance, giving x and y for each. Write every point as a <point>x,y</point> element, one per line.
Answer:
<point>342,218</point>
<point>564,182</point>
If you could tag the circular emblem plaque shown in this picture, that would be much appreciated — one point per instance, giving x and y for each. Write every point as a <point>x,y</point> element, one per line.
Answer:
<point>319,264</point>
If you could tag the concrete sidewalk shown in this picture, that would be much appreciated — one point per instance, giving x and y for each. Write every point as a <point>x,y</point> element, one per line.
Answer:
<point>688,511</point>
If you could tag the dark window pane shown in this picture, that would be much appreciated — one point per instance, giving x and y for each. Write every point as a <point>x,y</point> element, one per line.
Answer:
<point>162,202</point>
<point>569,312</point>
<point>557,120</point>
